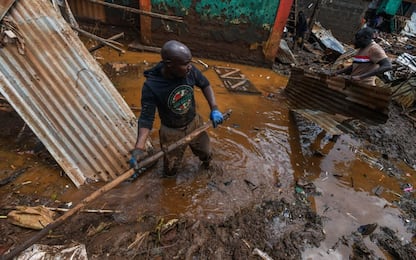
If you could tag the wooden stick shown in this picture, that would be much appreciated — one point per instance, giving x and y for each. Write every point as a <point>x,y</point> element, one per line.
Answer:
<point>87,210</point>
<point>141,47</point>
<point>114,37</point>
<point>66,210</point>
<point>145,162</point>
<point>13,176</point>
<point>138,11</point>
<point>238,84</point>
<point>103,41</point>
<point>72,20</point>
<point>229,73</point>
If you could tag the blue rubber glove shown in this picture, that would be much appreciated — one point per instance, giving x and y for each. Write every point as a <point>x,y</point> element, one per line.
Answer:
<point>136,156</point>
<point>216,117</point>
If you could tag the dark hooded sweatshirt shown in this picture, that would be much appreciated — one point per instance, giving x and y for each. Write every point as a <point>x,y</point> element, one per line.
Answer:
<point>173,98</point>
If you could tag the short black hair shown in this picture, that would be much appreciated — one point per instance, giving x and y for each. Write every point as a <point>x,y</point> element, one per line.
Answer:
<point>365,33</point>
<point>173,50</point>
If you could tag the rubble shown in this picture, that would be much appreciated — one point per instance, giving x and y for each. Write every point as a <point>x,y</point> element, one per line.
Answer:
<point>320,56</point>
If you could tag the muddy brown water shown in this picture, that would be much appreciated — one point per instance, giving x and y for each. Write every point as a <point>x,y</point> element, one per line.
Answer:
<point>260,153</point>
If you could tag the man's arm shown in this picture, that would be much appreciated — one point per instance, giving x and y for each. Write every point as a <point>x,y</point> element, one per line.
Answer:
<point>141,138</point>
<point>146,118</point>
<point>384,65</point>
<point>346,70</point>
<point>209,96</point>
<point>215,115</point>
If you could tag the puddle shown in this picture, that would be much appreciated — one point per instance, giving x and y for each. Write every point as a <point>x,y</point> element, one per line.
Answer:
<point>347,199</point>
<point>259,154</point>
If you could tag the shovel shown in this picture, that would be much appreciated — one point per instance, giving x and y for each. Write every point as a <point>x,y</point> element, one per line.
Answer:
<point>126,175</point>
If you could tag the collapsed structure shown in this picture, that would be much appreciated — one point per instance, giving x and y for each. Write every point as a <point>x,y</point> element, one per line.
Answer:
<point>60,91</point>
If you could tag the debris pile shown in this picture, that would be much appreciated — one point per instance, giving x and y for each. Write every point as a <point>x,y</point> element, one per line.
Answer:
<point>319,55</point>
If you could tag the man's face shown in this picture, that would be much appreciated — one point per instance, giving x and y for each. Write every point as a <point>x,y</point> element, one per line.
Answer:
<point>179,66</point>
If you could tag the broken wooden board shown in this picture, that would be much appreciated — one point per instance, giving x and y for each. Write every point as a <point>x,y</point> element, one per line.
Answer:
<point>235,81</point>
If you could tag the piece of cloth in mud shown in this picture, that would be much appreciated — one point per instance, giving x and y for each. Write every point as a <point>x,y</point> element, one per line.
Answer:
<point>31,217</point>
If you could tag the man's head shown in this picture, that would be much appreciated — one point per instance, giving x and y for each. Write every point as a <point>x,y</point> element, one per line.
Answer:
<point>363,37</point>
<point>177,57</point>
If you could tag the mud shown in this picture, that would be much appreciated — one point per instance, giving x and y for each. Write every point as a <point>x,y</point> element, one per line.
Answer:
<point>233,238</point>
<point>389,139</point>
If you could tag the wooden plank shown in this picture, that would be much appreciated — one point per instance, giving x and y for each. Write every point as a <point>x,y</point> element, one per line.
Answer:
<point>141,12</point>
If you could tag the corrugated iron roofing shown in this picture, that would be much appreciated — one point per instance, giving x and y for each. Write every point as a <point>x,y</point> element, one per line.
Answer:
<point>87,10</point>
<point>314,91</point>
<point>332,124</point>
<point>64,96</point>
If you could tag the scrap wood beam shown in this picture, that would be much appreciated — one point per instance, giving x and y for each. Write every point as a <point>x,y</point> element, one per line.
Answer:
<point>66,210</point>
<point>100,45</point>
<point>109,42</point>
<point>141,12</point>
<point>141,47</point>
<point>126,175</point>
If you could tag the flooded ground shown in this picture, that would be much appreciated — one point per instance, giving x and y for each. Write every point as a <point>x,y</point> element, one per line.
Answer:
<point>274,178</point>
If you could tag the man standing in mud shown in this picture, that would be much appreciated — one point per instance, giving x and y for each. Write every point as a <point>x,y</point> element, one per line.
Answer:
<point>169,88</point>
<point>369,61</point>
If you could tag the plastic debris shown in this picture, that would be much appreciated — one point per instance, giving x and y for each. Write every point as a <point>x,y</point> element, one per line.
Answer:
<point>408,187</point>
<point>262,254</point>
<point>40,252</point>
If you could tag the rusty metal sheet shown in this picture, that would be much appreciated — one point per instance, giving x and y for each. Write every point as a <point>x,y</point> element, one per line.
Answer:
<point>332,124</point>
<point>61,92</point>
<point>337,96</point>
<point>326,38</point>
<point>5,6</point>
<point>86,10</point>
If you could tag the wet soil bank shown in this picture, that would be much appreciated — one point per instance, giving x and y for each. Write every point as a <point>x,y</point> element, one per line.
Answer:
<point>395,143</point>
<point>261,198</point>
<point>281,228</point>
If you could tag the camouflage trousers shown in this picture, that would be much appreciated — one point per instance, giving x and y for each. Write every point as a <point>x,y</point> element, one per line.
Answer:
<point>200,145</point>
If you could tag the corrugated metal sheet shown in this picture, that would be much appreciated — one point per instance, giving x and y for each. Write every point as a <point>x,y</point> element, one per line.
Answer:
<point>337,96</point>
<point>5,6</point>
<point>64,96</point>
<point>284,54</point>
<point>87,10</point>
<point>326,38</point>
<point>332,124</point>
